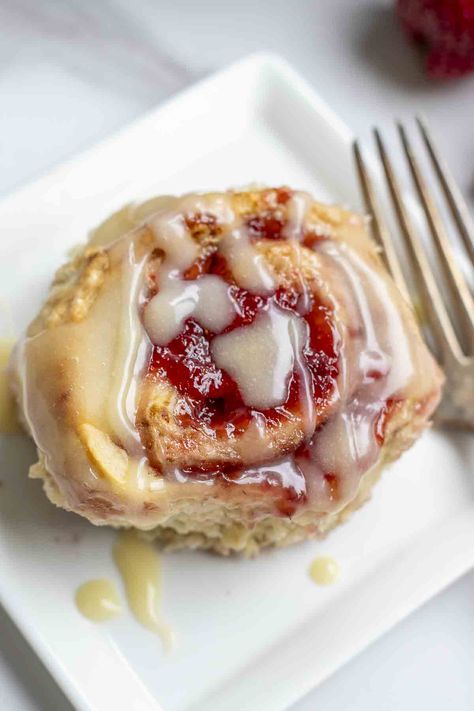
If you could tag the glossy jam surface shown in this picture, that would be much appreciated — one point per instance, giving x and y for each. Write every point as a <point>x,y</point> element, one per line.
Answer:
<point>213,395</point>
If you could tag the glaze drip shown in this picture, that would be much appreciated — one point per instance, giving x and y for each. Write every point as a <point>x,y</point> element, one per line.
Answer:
<point>139,566</point>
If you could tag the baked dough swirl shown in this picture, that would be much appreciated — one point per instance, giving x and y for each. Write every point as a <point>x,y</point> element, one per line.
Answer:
<point>224,370</point>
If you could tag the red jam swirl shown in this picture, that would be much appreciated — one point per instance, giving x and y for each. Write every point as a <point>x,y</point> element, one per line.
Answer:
<point>212,395</point>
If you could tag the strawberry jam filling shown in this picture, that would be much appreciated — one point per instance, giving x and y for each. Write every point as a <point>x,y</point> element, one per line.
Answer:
<point>210,399</point>
<point>211,396</point>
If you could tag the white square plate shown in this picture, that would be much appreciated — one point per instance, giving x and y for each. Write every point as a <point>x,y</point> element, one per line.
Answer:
<point>251,634</point>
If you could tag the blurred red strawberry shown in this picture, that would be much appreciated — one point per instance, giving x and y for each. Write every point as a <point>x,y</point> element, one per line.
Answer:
<point>446,29</point>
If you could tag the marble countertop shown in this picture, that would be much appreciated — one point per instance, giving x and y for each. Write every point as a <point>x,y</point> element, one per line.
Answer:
<point>72,71</point>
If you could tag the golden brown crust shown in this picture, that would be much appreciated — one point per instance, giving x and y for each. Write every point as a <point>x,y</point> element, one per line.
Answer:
<point>73,290</point>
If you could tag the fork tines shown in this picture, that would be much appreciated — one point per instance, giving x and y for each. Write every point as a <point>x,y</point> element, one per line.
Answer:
<point>446,339</point>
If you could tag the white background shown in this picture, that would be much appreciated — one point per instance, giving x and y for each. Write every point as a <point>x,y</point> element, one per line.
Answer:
<point>72,71</point>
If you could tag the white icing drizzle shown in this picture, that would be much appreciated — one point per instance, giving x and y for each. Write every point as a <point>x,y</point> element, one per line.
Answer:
<point>131,355</point>
<point>217,205</point>
<point>172,236</point>
<point>375,365</point>
<point>247,265</point>
<point>282,473</point>
<point>205,299</point>
<point>297,207</point>
<point>253,442</point>
<point>304,378</point>
<point>106,354</point>
<point>296,210</point>
<point>261,356</point>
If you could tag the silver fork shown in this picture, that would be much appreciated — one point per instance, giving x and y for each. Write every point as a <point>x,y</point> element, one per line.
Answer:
<point>457,360</point>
